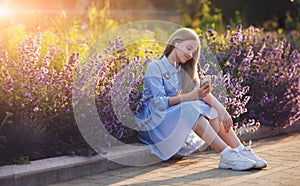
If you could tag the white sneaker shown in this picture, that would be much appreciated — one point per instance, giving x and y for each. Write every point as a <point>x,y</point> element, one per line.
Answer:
<point>235,161</point>
<point>259,163</point>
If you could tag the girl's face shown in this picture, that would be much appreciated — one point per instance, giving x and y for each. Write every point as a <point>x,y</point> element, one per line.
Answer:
<point>185,50</point>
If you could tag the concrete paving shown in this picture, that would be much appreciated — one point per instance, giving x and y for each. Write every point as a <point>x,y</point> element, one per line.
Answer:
<point>201,168</point>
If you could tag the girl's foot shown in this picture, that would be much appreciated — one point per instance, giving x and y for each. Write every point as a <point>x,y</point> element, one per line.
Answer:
<point>235,161</point>
<point>259,163</point>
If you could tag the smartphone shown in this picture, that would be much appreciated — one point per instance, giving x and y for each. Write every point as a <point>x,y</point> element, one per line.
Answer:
<point>205,79</point>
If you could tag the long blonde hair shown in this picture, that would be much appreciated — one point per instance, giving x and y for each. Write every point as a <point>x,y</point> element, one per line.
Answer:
<point>188,71</point>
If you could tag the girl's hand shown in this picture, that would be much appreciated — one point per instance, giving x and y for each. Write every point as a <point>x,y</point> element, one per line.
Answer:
<point>227,121</point>
<point>199,92</point>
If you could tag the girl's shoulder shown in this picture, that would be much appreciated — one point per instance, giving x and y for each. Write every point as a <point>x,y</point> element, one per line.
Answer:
<point>153,68</point>
<point>154,64</point>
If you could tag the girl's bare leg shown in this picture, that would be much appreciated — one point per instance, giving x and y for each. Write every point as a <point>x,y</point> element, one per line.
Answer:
<point>229,138</point>
<point>208,134</point>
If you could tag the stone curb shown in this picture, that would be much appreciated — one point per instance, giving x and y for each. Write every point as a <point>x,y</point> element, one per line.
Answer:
<point>59,169</point>
<point>267,132</point>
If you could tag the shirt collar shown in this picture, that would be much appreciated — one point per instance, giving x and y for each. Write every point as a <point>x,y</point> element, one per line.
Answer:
<point>170,67</point>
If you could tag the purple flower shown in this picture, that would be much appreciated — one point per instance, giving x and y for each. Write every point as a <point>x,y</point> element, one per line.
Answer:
<point>35,109</point>
<point>28,95</point>
<point>211,32</point>
<point>228,27</point>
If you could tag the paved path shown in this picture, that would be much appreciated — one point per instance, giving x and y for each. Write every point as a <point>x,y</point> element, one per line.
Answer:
<point>281,152</point>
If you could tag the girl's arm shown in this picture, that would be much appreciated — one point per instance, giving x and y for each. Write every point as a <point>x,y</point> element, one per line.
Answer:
<point>214,102</point>
<point>198,92</point>
<point>223,115</point>
<point>153,80</point>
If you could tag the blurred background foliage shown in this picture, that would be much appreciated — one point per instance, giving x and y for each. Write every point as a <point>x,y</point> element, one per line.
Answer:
<point>281,16</point>
<point>270,14</point>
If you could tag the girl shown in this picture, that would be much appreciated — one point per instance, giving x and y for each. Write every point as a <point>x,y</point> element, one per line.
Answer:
<point>175,110</point>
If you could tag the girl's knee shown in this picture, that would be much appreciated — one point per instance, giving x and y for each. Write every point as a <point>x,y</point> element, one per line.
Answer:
<point>202,120</point>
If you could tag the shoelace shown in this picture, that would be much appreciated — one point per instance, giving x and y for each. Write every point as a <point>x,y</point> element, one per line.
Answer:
<point>250,152</point>
<point>238,154</point>
<point>248,149</point>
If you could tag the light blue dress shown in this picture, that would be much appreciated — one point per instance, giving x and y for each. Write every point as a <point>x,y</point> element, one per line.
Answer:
<point>168,129</point>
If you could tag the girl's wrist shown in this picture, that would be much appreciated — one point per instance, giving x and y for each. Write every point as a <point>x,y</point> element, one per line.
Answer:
<point>186,97</point>
<point>183,98</point>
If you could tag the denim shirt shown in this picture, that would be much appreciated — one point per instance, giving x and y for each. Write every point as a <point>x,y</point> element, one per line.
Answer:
<point>158,88</point>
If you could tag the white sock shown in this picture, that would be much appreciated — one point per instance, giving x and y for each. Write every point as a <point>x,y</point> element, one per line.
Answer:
<point>224,151</point>
<point>240,148</point>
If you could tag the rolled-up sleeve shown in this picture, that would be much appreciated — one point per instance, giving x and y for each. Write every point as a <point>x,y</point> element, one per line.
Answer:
<point>154,82</point>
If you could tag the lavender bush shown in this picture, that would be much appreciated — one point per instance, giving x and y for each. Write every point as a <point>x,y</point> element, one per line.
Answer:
<point>232,94</point>
<point>31,85</point>
<point>34,95</point>
<point>270,68</point>
<point>119,87</point>
<point>36,75</point>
